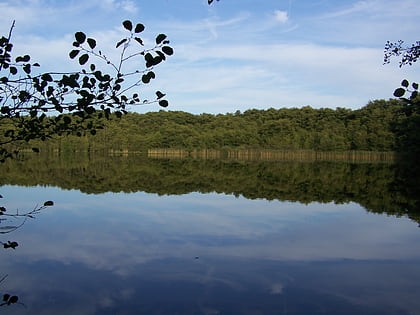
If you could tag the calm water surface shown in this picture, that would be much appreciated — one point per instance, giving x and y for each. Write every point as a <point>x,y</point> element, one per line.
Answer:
<point>206,253</point>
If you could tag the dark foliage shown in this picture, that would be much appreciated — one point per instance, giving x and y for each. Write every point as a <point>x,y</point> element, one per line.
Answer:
<point>408,129</point>
<point>374,127</point>
<point>27,95</point>
<point>379,187</point>
<point>408,54</point>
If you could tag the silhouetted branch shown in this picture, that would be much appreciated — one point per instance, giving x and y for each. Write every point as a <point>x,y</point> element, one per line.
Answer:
<point>409,54</point>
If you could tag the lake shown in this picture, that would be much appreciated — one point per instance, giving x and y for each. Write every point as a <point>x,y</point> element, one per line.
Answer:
<point>136,235</point>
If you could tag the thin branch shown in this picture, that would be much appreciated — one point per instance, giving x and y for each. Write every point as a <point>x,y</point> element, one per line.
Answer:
<point>8,41</point>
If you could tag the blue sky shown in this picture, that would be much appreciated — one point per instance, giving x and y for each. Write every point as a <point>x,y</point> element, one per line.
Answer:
<point>237,55</point>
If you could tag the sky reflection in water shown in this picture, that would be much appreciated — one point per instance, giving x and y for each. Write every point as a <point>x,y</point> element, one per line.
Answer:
<point>207,254</point>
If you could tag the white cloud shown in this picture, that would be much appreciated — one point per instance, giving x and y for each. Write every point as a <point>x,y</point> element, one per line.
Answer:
<point>378,8</point>
<point>276,288</point>
<point>281,16</point>
<point>243,59</point>
<point>125,5</point>
<point>24,14</point>
<point>357,7</point>
<point>229,77</point>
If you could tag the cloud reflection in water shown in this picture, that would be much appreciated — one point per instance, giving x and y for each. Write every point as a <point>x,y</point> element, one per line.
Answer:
<point>204,249</point>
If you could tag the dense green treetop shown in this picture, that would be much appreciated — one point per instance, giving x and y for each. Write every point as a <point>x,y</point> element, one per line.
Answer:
<point>378,126</point>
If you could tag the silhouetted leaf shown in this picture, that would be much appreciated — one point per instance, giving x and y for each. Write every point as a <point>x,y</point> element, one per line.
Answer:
<point>405,83</point>
<point>80,37</point>
<point>27,68</point>
<point>148,57</point>
<point>161,55</point>
<point>163,103</point>
<point>159,94</point>
<point>10,244</point>
<point>168,50</point>
<point>47,77</point>
<point>145,78</point>
<point>121,42</point>
<point>91,42</point>
<point>415,86</point>
<point>13,70</point>
<point>25,58</point>
<point>399,92</point>
<point>70,81</point>
<point>83,59</point>
<point>160,38</point>
<point>128,25</point>
<point>139,28</point>
<point>48,203</point>
<point>13,299</point>
<point>139,40</point>
<point>157,60</point>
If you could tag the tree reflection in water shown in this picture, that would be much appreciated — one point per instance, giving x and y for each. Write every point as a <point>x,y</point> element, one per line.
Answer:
<point>94,255</point>
<point>391,188</point>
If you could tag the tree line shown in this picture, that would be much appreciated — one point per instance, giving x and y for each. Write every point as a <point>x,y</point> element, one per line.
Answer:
<point>381,125</point>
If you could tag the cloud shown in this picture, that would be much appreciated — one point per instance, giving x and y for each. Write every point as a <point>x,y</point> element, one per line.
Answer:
<point>237,60</point>
<point>377,8</point>
<point>125,5</point>
<point>276,288</point>
<point>358,7</point>
<point>281,16</point>
<point>198,30</point>
<point>24,15</point>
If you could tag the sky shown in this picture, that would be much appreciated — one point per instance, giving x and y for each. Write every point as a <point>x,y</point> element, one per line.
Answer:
<point>235,55</point>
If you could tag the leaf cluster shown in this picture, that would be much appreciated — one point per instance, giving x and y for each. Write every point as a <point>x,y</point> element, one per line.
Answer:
<point>9,299</point>
<point>102,86</point>
<point>406,88</point>
<point>408,54</point>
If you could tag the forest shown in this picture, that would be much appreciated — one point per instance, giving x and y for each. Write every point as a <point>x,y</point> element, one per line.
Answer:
<point>381,125</point>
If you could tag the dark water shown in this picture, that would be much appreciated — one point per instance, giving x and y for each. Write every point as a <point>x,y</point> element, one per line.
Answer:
<point>237,238</point>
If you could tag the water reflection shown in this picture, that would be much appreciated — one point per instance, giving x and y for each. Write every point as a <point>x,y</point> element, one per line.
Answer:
<point>209,254</point>
<point>378,187</point>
